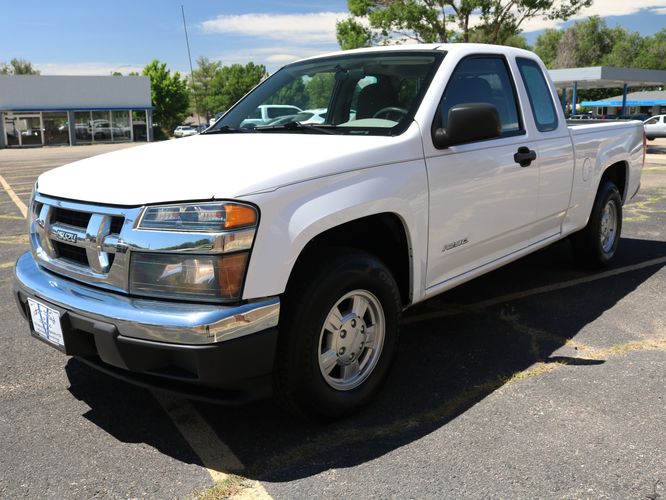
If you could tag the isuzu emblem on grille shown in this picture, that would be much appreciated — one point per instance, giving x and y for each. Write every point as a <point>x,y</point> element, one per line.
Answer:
<point>66,236</point>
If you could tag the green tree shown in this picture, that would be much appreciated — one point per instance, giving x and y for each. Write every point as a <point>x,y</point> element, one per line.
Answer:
<point>653,52</point>
<point>293,94</point>
<point>18,67</point>
<point>233,82</point>
<point>381,21</point>
<point>546,46</point>
<point>203,82</point>
<point>169,93</point>
<point>351,34</point>
<point>319,89</point>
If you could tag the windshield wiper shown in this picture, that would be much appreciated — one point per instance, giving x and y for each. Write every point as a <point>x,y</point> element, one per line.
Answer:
<point>226,129</point>
<point>323,128</point>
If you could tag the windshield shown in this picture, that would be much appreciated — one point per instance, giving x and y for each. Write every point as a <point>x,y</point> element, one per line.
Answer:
<point>369,94</point>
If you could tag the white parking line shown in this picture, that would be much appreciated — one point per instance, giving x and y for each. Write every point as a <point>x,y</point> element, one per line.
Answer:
<point>536,291</point>
<point>17,201</point>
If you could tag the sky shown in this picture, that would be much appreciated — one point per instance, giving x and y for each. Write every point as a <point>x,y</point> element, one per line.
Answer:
<point>96,37</point>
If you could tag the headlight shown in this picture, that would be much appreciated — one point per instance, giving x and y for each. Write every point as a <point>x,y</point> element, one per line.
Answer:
<point>198,217</point>
<point>210,277</point>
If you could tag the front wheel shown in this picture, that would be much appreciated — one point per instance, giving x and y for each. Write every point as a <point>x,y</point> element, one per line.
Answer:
<point>596,244</point>
<point>338,335</point>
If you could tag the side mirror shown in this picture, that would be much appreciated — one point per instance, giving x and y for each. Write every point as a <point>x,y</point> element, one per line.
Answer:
<point>468,123</point>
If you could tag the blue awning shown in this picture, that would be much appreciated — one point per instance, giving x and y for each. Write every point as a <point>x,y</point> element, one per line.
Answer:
<point>653,102</point>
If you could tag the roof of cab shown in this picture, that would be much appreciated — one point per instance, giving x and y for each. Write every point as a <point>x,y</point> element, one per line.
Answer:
<point>410,47</point>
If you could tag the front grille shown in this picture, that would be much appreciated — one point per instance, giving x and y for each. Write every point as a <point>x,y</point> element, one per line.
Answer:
<point>82,241</point>
<point>71,253</point>
<point>81,219</point>
<point>117,224</point>
<point>71,217</point>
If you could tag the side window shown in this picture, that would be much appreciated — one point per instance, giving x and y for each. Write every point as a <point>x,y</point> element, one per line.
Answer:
<point>652,121</point>
<point>483,80</point>
<point>256,114</point>
<point>539,94</point>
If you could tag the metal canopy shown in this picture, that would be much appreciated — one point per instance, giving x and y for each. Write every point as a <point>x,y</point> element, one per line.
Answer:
<point>599,77</point>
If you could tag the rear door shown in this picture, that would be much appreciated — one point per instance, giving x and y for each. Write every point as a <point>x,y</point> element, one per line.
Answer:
<point>483,204</point>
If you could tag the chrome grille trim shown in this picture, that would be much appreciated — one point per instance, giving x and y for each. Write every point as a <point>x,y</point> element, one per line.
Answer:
<point>108,261</point>
<point>109,253</point>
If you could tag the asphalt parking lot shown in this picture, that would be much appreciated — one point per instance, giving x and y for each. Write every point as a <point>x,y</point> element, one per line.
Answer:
<point>539,380</point>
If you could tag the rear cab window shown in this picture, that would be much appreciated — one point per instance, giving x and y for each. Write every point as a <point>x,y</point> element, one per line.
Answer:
<point>538,92</point>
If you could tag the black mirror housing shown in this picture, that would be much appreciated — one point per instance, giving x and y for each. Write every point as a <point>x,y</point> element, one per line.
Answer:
<point>468,123</point>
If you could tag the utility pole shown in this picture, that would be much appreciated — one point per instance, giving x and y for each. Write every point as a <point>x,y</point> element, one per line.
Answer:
<point>189,56</point>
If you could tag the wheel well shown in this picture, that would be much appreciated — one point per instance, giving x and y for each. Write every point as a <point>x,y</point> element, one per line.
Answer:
<point>382,235</point>
<point>617,174</point>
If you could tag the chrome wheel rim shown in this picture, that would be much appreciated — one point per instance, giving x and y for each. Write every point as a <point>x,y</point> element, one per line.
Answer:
<point>608,226</point>
<point>351,340</point>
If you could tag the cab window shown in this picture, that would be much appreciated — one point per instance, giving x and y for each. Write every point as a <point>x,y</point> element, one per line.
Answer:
<point>539,95</point>
<point>484,79</point>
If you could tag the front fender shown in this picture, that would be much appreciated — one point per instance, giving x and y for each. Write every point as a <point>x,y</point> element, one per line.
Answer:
<point>293,215</point>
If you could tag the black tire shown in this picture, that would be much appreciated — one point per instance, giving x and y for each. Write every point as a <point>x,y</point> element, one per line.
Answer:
<point>587,243</point>
<point>299,384</point>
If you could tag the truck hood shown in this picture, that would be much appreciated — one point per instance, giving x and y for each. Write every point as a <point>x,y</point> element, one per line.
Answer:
<point>221,166</point>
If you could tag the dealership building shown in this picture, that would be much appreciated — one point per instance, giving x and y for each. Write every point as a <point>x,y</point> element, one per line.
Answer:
<point>40,110</point>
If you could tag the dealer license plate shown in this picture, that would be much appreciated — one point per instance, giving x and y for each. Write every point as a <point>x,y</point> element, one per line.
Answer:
<point>46,322</point>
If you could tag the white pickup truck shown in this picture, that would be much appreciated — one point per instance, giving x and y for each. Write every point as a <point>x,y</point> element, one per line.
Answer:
<point>281,257</point>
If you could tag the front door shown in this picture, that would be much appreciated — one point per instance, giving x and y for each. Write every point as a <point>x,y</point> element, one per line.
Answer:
<point>483,205</point>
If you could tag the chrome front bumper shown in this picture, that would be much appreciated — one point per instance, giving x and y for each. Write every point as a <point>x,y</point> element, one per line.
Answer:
<point>155,320</point>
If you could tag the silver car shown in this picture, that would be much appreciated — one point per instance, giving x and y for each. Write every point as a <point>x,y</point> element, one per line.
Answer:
<point>655,127</point>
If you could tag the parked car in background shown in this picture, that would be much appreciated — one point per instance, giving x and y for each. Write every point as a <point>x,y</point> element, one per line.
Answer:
<point>638,116</point>
<point>267,113</point>
<point>216,117</point>
<point>102,130</point>
<point>317,115</point>
<point>655,127</point>
<point>184,130</point>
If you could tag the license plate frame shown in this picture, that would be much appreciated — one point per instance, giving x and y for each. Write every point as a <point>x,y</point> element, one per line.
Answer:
<point>46,323</point>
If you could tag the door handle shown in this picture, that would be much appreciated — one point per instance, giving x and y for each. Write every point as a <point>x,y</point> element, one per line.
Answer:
<point>525,156</point>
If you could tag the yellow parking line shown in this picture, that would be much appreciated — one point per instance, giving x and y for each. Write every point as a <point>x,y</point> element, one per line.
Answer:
<point>216,456</point>
<point>218,459</point>
<point>17,201</point>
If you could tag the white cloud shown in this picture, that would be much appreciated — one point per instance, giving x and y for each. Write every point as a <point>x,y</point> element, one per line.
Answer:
<point>603,8</point>
<point>272,57</point>
<point>281,58</point>
<point>92,68</point>
<point>296,28</point>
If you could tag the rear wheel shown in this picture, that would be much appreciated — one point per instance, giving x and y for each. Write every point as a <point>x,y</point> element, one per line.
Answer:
<point>596,244</point>
<point>338,335</point>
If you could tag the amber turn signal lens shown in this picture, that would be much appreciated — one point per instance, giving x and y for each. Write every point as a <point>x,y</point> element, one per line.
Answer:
<point>239,216</point>
<point>231,273</point>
